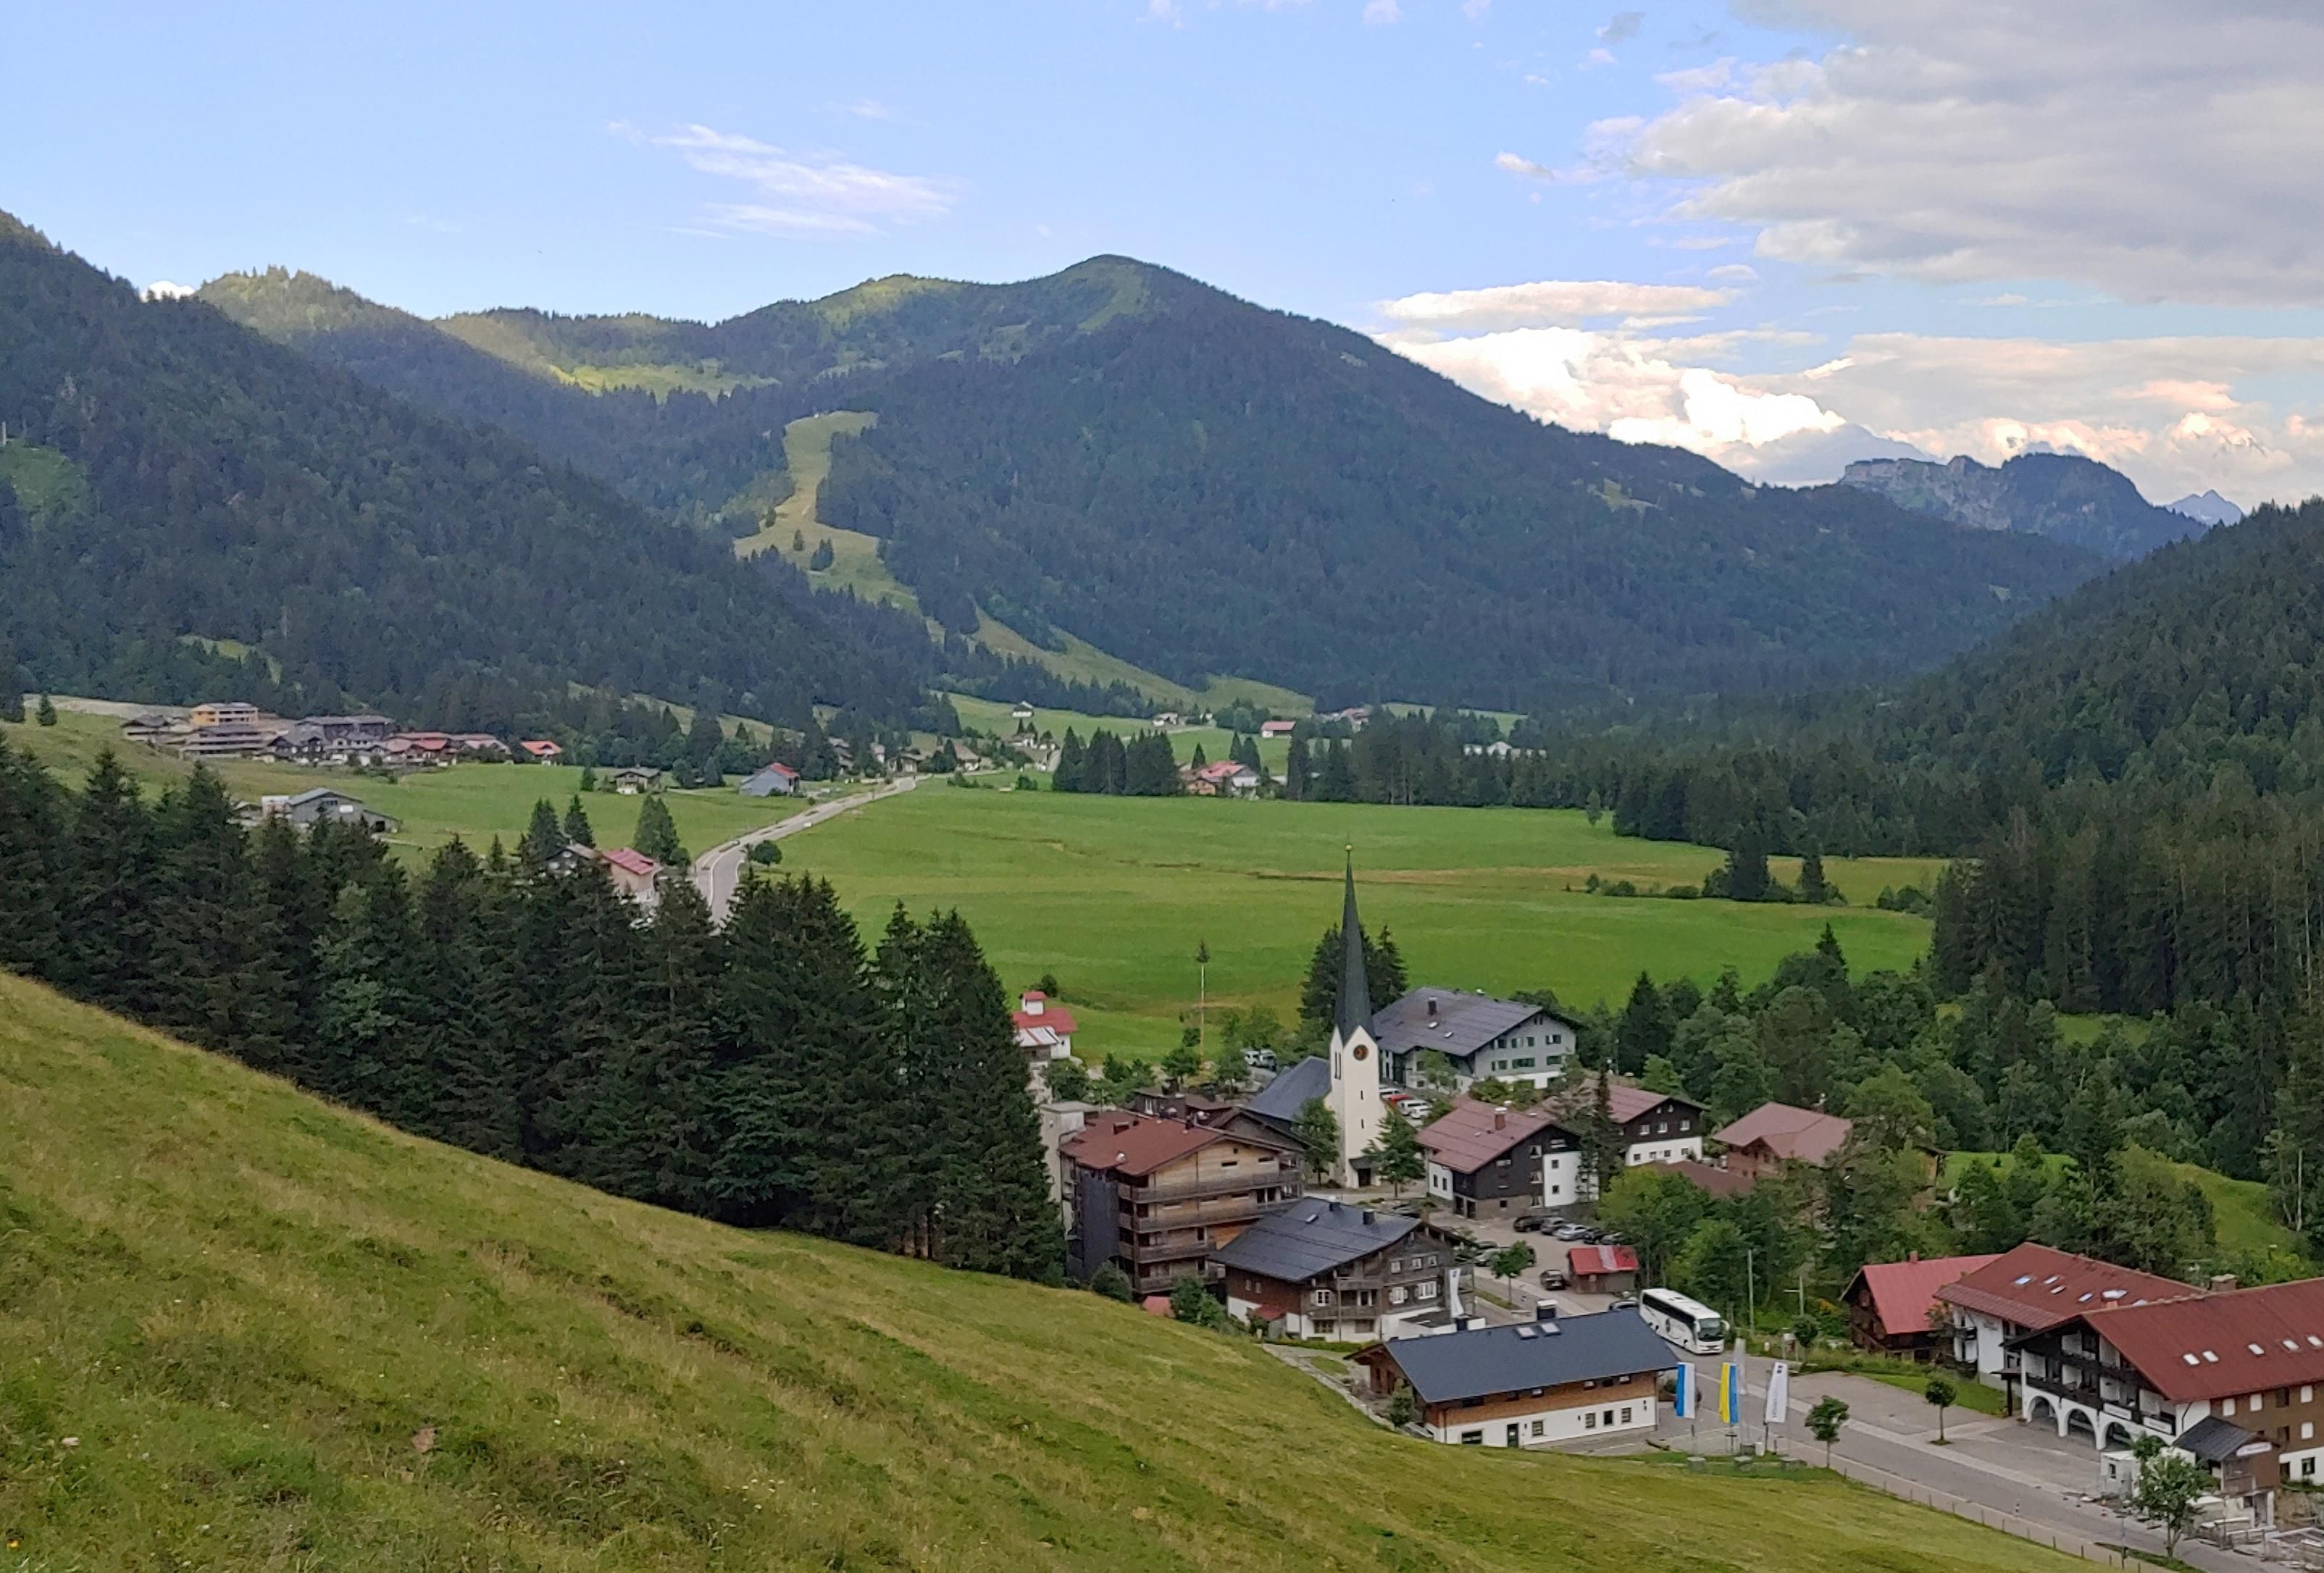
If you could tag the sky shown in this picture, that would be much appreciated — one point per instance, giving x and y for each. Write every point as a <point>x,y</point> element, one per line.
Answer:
<point>1787,233</point>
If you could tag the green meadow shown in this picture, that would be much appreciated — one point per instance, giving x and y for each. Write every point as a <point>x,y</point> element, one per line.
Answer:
<point>241,1328</point>
<point>472,802</point>
<point>1114,895</point>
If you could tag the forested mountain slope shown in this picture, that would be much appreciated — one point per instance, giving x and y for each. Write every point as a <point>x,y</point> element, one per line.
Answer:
<point>249,1330</point>
<point>227,488</point>
<point>1195,484</point>
<point>2063,496</point>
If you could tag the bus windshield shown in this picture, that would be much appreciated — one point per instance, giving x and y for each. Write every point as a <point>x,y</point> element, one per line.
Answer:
<point>1711,1330</point>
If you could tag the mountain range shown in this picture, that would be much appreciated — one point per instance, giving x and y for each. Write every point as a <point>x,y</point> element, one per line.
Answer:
<point>2209,507</point>
<point>2063,497</point>
<point>1120,457</point>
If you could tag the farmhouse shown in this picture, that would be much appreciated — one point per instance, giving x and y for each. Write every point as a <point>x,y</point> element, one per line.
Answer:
<point>777,780</point>
<point>636,780</point>
<point>1657,1127</point>
<point>1893,1307</point>
<point>2030,1289</point>
<point>1506,1040</point>
<point>223,713</point>
<point>541,749</point>
<point>1159,1198</point>
<point>1278,729</point>
<point>1044,1031</point>
<point>1222,778</point>
<point>321,805</point>
<point>1487,1161</point>
<point>1324,1269</point>
<point>1549,1380</point>
<point>1761,1143</point>
<point>332,739</point>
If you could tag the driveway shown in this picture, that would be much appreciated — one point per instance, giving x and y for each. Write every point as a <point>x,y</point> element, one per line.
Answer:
<point>718,872</point>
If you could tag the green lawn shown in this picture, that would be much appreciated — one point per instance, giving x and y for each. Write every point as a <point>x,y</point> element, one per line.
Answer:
<point>241,1328</point>
<point>1114,894</point>
<point>472,802</point>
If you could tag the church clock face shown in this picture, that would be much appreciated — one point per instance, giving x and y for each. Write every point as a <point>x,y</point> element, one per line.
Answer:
<point>1360,1051</point>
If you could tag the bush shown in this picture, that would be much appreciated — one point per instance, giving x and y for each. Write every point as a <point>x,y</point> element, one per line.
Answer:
<point>766,854</point>
<point>1112,1283</point>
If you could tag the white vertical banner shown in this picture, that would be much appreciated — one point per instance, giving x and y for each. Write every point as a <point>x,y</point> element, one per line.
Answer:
<point>1688,1402</point>
<point>1779,1392</point>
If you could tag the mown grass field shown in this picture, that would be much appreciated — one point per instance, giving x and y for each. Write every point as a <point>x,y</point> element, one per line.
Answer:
<point>241,1329</point>
<point>472,802</point>
<point>1113,894</point>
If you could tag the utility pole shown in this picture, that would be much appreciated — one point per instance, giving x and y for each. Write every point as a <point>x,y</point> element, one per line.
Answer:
<point>1202,992</point>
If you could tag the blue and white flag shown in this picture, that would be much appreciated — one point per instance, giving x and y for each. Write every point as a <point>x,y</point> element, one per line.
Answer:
<point>1688,1397</point>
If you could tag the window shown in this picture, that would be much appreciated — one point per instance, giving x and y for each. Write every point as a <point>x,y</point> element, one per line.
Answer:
<point>2227,1406</point>
<point>2306,1468</point>
<point>1473,1438</point>
<point>1663,1129</point>
<point>1625,1414</point>
<point>1685,1125</point>
<point>2283,1398</point>
<point>1426,1291</point>
<point>1537,1431</point>
<point>1557,1190</point>
<point>2307,1395</point>
<point>1609,1417</point>
<point>1395,1263</point>
<point>2254,1402</point>
<point>1322,1297</point>
<point>1590,1419</point>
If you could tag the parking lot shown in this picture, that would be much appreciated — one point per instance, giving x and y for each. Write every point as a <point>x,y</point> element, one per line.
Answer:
<point>1522,1294</point>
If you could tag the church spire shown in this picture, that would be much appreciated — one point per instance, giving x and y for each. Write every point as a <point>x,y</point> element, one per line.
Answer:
<point>1355,1003</point>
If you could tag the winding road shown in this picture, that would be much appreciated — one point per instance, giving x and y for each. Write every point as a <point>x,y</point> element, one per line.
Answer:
<point>718,872</point>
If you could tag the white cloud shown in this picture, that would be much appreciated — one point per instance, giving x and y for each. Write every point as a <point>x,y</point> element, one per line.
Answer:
<point>1565,302</point>
<point>1622,26</point>
<point>870,109</point>
<point>1734,273</point>
<point>1382,12</point>
<point>1596,58</point>
<point>1476,10</point>
<point>1167,12</point>
<point>1707,78</point>
<point>165,289</point>
<point>2159,151</point>
<point>804,194</point>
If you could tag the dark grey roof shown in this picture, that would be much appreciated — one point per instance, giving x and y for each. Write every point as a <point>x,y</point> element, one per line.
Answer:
<point>1448,1366</point>
<point>1354,1007</point>
<point>318,794</point>
<point>1282,1098</point>
<point>1462,1022</point>
<point>2212,1440</point>
<point>1312,1236</point>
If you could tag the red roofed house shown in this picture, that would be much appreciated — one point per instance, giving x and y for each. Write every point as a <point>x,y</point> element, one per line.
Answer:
<point>2031,1290</point>
<point>1893,1307</point>
<point>541,749</point>
<point>1773,1135</point>
<point>1603,1269</point>
<point>2231,1377</point>
<point>1716,1182</point>
<point>1657,1127</point>
<point>1158,1198</point>
<point>1044,1031</point>
<point>1222,778</point>
<point>1485,1160</point>
<point>1276,729</point>
<point>634,874</point>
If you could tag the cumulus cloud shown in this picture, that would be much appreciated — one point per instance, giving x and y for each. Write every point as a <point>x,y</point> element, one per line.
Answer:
<point>165,289</point>
<point>2162,151</point>
<point>1567,302</point>
<point>801,194</point>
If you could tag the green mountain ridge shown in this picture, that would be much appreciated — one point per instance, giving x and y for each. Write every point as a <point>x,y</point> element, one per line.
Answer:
<point>1192,483</point>
<point>248,1329</point>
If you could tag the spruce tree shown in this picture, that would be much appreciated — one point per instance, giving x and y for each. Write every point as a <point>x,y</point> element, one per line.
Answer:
<point>1746,866</point>
<point>367,1008</point>
<point>12,688</point>
<point>110,886</point>
<point>657,835</point>
<point>1296,771</point>
<point>576,824</point>
<point>466,1087</point>
<point>46,715</point>
<point>1337,781</point>
<point>543,838</point>
<point>37,868</point>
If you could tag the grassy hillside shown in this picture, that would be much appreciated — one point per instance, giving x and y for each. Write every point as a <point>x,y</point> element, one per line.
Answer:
<point>1113,894</point>
<point>472,802</point>
<point>245,1330</point>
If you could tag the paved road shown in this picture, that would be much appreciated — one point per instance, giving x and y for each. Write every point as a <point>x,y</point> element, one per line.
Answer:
<point>718,872</point>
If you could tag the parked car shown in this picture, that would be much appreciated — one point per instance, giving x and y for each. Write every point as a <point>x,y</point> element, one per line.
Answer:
<point>1569,1231</point>
<point>1527,1223</point>
<point>1624,1303</point>
<point>1552,1278</point>
<point>1259,1058</point>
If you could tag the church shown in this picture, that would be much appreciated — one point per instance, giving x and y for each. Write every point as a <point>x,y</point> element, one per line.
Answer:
<point>1347,1076</point>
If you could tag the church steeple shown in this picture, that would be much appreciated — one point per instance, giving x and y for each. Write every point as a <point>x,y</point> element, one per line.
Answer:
<point>1355,1003</point>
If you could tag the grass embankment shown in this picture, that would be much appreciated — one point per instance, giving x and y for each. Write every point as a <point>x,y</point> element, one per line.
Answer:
<point>1113,894</point>
<point>472,802</point>
<point>242,1329</point>
<point>2249,1230</point>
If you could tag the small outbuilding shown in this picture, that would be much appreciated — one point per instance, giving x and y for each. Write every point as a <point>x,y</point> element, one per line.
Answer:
<point>777,780</point>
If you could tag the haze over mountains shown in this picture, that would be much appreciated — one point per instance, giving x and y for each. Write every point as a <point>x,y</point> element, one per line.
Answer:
<point>1200,485</point>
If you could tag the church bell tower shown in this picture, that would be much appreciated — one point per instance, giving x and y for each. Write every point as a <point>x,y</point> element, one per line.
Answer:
<point>1355,1100</point>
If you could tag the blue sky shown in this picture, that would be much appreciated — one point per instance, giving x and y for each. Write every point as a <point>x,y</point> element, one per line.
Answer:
<point>1811,228</point>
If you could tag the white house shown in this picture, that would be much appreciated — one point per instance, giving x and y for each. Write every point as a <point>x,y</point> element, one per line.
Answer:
<point>1044,1031</point>
<point>2031,1290</point>
<point>1554,1379</point>
<point>1480,1037</point>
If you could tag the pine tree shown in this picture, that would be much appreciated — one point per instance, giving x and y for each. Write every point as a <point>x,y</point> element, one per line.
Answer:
<point>1647,1028</point>
<point>1813,889</point>
<point>1397,1155</point>
<point>1337,782</point>
<point>543,838</point>
<point>37,868</point>
<point>823,558</point>
<point>1296,770</point>
<point>576,824</point>
<point>657,835</point>
<point>12,686</point>
<point>465,1088</point>
<point>1070,757</point>
<point>1200,758</point>
<point>46,715</point>
<point>110,886</point>
<point>1748,879</point>
<point>365,1051</point>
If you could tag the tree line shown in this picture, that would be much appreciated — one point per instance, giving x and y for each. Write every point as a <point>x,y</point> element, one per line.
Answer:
<point>773,1073</point>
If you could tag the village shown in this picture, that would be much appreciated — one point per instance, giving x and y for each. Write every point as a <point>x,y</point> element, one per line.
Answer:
<point>1487,1308</point>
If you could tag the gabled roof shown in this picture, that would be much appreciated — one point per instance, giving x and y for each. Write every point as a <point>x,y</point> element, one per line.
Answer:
<point>1448,1020</point>
<point>1808,1135</point>
<point>1470,1135</point>
<point>2213,1440</point>
<point>1312,1236</point>
<point>1220,770</point>
<point>1903,1294</point>
<point>2037,1287</point>
<point>1056,1017</point>
<point>1628,1102</point>
<point>1282,1098</point>
<point>632,861</point>
<point>1136,1144</point>
<point>1483,1361</point>
<point>1599,1259</point>
<point>2210,1345</point>
<point>1703,1177</point>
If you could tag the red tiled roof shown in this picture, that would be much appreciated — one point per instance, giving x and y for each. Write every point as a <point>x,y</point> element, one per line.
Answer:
<point>1595,1259</point>
<point>779,768</point>
<point>2213,1346</point>
<point>1903,1293</point>
<point>2037,1287</point>
<point>632,861</point>
<point>1626,1102</point>
<point>1219,770</point>
<point>1135,1144</point>
<point>1810,1136</point>
<point>539,745</point>
<point>1703,1177</point>
<point>1465,1137</point>
<point>1056,1017</point>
